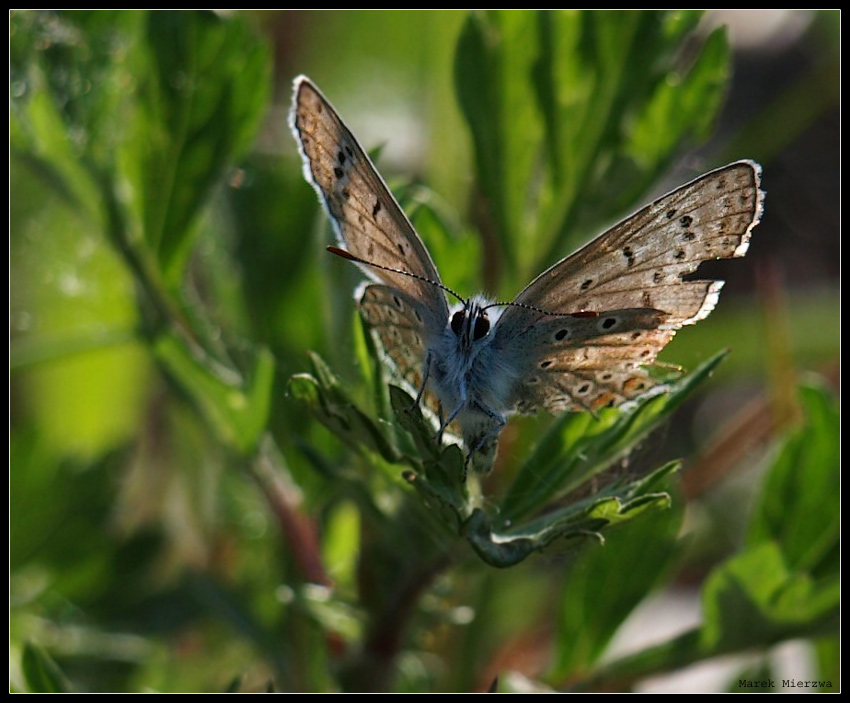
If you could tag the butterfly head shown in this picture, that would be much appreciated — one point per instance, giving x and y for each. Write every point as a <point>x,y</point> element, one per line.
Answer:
<point>470,323</point>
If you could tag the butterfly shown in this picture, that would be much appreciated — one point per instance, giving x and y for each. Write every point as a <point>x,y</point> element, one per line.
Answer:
<point>581,336</point>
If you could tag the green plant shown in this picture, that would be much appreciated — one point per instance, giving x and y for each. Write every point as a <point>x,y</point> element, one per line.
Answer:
<point>337,544</point>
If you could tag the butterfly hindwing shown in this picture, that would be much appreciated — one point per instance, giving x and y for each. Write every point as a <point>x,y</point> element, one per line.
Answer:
<point>585,362</point>
<point>404,326</point>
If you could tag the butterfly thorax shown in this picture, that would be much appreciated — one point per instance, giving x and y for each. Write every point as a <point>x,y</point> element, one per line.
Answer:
<point>465,368</point>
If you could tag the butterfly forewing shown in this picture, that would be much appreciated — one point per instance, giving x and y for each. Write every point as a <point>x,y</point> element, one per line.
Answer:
<point>368,220</point>
<point>640,261</point>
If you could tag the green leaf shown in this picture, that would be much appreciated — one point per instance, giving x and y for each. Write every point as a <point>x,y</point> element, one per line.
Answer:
<point>799,507</point>
<point>578,447</point>
<point>341,543</point>
<point>494,54</point>
<point>66,130</point>
<point>621,89</point>
<point>236,406</point>
<point>682,106</point>
<point>374,370</point>
<point>409,416</point>
<point>335,409</point>
<point>449,245</point>
<point>755,600</point>
<point>583,519</point>
<point>200,106</point>
<point>778,587</point>
<point>439,469</point>
<point>573,116</point>
<point>605,584</point>
<point>41,673</point>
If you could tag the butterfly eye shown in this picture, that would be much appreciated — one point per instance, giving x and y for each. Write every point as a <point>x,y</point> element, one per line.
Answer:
<point>457,322</point>
<point>482,326</point>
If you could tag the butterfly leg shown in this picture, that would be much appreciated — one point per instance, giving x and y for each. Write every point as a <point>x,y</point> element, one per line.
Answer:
<point>450,419</point>
<point>493,415</point>
<point>424,379</point>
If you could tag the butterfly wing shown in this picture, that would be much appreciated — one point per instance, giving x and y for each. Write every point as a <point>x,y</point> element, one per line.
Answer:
<point>400,322</point>
<point>368,220</point>
<point>617,301</point>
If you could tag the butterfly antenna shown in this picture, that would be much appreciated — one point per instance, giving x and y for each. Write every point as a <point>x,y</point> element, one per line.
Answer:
<point>357,260</point>
<point>526,306</point>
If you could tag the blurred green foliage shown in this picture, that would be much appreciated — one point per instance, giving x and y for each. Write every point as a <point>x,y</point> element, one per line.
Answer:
<point>198,504</point>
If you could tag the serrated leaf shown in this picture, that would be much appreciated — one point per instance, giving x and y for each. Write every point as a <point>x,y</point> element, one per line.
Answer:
<point>333,406</point>
<point>583,520</point>
<point>408,414</point>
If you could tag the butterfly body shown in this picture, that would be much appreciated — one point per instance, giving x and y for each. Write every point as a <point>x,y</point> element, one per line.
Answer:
<point>470,378</point>
<point>582,335</point>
